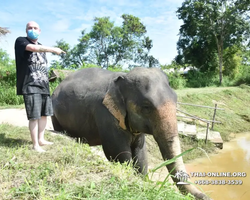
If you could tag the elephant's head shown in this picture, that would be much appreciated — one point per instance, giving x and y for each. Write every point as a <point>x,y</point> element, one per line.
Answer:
<point>142,101</point>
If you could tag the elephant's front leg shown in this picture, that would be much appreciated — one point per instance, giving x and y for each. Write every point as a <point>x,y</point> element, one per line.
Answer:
<point>116,144</point>
<point>121,146</point>
<point>139,154</point>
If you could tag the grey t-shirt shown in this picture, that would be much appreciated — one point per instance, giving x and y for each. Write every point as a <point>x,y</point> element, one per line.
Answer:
<point>31,69</point>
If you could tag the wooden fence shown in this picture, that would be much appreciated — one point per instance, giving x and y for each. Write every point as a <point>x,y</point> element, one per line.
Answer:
<point>198,118</point>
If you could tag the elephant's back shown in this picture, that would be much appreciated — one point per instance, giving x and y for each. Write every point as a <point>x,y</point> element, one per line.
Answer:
<point>77,98</point>
<point>92,80</point>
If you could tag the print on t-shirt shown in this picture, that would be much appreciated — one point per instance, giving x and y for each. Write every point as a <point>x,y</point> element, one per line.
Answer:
<point>38,67</point>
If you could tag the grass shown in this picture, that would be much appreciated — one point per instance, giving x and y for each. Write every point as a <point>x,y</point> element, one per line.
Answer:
<point>235,118</point>
<point>21,106</point>
<point>68,170</point>
<point>71,170</point>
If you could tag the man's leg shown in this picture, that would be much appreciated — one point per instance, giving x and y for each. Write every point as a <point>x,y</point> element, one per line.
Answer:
<point>42,122</point>
<point>33,127</point>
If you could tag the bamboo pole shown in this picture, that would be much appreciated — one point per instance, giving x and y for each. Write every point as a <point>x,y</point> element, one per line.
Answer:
<point>198,119</point>
<point>214,116</point>
<point>207,133</point>
<point>199,106</point>
<point>203,120</point>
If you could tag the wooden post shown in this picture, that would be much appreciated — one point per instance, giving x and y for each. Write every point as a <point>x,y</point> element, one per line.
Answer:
<point>214,116</point>
<point>207,132</point>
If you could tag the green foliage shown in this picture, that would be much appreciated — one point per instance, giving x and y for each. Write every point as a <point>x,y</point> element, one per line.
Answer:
<point>57,65</point>
<point>176,80</point>
<point>210,27</point>
<point>243,75</point>
<point>197,79</point>
<point>233,58</point>
<point>8,96</point>
<point>75,57</point>
<point>89,65</point>
<point>8,81</point>
<point>109,46</point>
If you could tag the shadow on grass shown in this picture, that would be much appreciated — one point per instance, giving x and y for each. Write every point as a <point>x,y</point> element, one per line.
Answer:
<point>10,142</point>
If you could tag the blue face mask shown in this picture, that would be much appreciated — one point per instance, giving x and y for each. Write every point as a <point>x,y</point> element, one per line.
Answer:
<point>32,34</point>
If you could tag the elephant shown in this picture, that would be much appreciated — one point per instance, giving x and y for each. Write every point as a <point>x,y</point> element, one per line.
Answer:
<point>116,110</point>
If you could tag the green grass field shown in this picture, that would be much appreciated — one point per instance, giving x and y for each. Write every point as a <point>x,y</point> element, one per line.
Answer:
<point>68,170</point>
<point>72,170</point>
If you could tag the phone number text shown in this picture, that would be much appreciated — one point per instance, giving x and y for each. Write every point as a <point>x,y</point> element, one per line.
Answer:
<point>218,182</point>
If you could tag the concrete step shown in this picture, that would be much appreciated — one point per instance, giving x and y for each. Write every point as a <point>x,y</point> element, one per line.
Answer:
<point>187,129</point>
<point>212,136</point>
<point>200,133</point>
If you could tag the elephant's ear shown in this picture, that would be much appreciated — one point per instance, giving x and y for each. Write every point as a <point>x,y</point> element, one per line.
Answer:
<point>114,101</point>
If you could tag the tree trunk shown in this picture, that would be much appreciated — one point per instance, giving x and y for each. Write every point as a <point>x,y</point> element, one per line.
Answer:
<point>221,64</point>
<point>220,55</point>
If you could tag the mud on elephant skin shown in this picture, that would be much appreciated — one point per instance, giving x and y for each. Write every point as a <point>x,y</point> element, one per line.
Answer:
<point>116,109</point>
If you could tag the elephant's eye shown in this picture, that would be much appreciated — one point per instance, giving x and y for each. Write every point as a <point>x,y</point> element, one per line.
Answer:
<point>146,107</point>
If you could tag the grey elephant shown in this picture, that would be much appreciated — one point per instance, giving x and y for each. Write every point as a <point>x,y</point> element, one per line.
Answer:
<point>116,110</point>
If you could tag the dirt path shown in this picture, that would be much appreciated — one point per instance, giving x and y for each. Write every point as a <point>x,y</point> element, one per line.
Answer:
<point>17,117</point>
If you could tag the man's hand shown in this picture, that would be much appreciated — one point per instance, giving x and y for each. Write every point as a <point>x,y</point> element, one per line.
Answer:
<point>41,48</point>
<point>57,51</point>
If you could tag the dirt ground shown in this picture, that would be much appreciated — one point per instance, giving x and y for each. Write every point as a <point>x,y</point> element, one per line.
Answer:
<point>18,117</point>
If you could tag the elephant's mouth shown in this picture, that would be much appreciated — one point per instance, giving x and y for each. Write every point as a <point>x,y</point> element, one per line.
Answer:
<point>132,128</point>
<point>136,133</point>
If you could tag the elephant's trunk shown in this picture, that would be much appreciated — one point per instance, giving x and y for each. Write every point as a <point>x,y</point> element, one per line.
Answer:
<point>166,135</point>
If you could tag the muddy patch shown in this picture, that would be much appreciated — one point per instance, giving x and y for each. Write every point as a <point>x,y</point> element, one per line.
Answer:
<point>225,175</point>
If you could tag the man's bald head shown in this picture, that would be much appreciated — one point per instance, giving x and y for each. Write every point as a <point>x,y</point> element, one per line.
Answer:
<point>32,24</point>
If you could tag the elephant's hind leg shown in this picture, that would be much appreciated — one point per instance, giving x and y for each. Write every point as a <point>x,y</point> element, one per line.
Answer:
<point>56,124</point>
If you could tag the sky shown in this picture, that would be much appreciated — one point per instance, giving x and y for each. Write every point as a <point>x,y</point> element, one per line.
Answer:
<point>65,19</point>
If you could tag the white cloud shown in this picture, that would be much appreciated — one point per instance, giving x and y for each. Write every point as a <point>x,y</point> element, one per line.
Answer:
<point>61,25</point>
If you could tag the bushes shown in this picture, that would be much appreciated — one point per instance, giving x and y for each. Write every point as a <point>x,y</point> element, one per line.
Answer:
<point>8,96</point>
<point>8,87</point>
<point>243,76</point>
<point>176,80</point>
<point>197,79</point>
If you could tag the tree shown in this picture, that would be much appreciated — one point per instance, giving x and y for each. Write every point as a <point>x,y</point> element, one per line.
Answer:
<point>5,60</point>
<point>4,31</point>
<point>107,45</point>
<point>7,65</point>
<point>111,45</point>
<point>75,57</point>
<point>210,27</point>
<point>102,41</point>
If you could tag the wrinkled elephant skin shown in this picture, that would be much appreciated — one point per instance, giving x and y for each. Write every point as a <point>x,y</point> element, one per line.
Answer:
<point>116,110</point>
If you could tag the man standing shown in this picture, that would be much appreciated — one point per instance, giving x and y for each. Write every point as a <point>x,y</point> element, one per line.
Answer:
<point>33,82</point>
